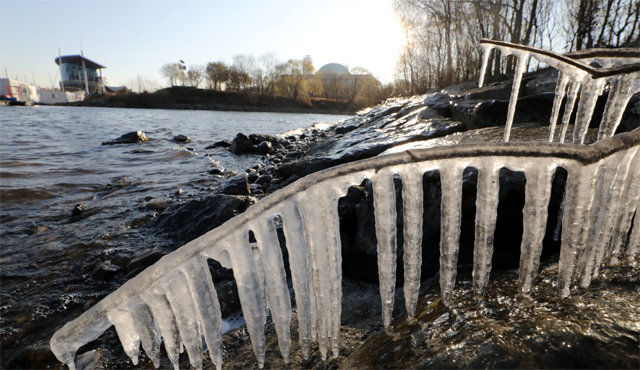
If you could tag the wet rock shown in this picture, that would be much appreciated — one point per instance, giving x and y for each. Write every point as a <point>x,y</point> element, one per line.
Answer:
<point>237,185</point>
<point>141,262</point>
<point>264,180</point>
<point>241,144</point>
<point>105,271</point>
<point>304,166</point>
<point>252,176</point>
<point>259,138</point>
<point>129,138</point>
<point>78,211</point>
<point>219,144</point>
<point>181,139</point>
<point>343,129</point>
<point>216,171</point>
<point>187,221</point>
<point>264,147</point>
<point>32,358</point>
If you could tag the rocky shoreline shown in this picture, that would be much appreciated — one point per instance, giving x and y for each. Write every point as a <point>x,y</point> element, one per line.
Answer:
<point>440,337</point>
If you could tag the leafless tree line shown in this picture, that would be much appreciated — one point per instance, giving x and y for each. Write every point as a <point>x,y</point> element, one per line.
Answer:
<point>442,49</point>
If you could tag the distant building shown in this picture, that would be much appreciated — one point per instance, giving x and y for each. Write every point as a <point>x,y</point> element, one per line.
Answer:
<point>338,83</point>
<point>80,74</point>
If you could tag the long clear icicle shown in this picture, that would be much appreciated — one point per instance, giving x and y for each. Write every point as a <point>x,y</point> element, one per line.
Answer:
<point>607,215</point>
<point>125,327</point>
<point>486,52</point>
<point>485,224</point>
<point>450,216</point>
<point>537,193</point>
<point>384,203</point>
<point>561,87</point>
<point>572,95</point>
<point>579,193</point>
<point>623,87</point>
<point>276,282</point>
<point>625,217</point>
<point>205,298</point>
<point>163,316</point>
<point>591,90</point>
<point>179,296</point>
<point>634,239</point>
<point>147,330</point>
<point>521,66</point>
<point>412,205</point>
<point>297,249</point>
<point>317,208</point>
<point>250,292</point>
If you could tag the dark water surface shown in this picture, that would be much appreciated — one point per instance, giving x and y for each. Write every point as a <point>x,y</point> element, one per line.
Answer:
<point>51,159</point>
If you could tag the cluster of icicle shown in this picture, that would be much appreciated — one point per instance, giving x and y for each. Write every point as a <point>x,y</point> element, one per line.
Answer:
<point>618,70</point>
<point>174,301</point>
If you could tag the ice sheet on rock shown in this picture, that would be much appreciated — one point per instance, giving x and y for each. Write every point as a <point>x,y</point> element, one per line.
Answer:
<point>384,203</point>
<point>485,223</point>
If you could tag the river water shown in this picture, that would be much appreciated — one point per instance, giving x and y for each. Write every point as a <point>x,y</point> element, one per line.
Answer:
<point>52,159</point>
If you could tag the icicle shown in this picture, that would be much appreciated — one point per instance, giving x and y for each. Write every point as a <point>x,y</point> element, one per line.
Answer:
<point>608,210</point>
<point>486,213</point>
<point>634,240</point>
<point>297,249</point>
<point>625,217</point>
<point>276,281</point>
<point>207,307</point>
<point>561,86</point>
<point>412,205</point>
<point>163,316</point>
<point>125,328</point>
<point>384,203</point>
<point>179,297</point>
<point>572,95</point>
<point>450,215</point>
<point>318,209</point>
<point>517,78</point>
<point>147,330</point>
<point>486,52</point>
<point>591,89</point>
<point>250,293</point>
<point>622,89</point>
<point>537,193</point>
<point>579,193</point>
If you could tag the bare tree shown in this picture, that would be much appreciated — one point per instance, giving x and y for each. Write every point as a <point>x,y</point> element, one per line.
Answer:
<point>172,72</point>
<point>195,75</point>
<point>217,74</point>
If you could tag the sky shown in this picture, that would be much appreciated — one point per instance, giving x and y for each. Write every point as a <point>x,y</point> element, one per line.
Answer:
<point>136,37</point>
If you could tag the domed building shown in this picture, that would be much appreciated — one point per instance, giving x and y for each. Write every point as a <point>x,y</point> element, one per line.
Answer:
<point>333,68</point>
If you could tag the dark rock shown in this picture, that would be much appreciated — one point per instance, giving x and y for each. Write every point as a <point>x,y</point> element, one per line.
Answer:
<point>181,139</point>
<point>187,221</point>
<point>216,171</point>
<point>228,296</point>
<point>32,358</point>
<point>264,147</point>
<point>264,180</point>
<point>105,271</point>
<point>141,262</point>
<point>219,144</point>
<point>129,138</point>
<point>237,185</point>
<point>304,166</point>
<point>241,144</point>
<point>258,138</point>
<point>78,210</point>
<point>252,176</point>
<point>343,129</point>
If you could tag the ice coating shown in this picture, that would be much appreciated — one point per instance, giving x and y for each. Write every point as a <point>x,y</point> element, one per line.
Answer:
<point>622,73</point>
<point>174,300</point>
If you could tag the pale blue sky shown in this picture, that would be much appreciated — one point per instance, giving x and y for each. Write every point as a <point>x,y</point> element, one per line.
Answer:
<point>136,37</point>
